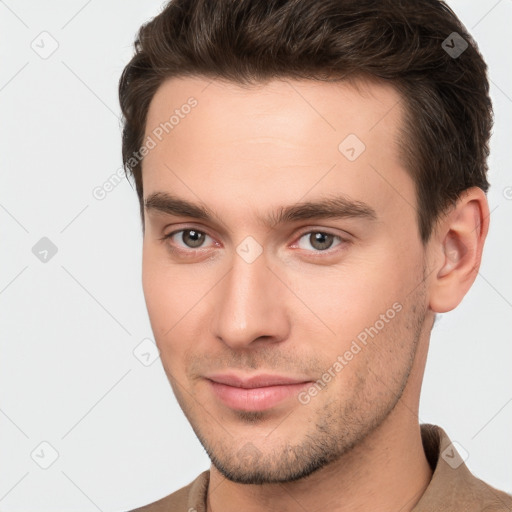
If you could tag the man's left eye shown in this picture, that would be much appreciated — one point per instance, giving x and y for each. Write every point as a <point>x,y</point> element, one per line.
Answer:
<point>319,240</point>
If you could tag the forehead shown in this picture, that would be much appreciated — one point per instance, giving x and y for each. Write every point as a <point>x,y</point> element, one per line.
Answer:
<point>270,108</point>
<point>275,141</point>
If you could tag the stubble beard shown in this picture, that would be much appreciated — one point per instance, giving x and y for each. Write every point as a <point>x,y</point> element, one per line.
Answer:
<point>337,429</point>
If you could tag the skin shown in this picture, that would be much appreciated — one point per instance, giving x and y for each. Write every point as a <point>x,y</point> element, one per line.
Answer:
<point>243,153</point>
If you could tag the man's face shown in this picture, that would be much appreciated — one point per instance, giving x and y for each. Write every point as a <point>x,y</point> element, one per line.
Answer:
<point>332,306</point>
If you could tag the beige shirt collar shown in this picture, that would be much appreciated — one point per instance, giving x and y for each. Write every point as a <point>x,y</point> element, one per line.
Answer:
<point>452,487</point>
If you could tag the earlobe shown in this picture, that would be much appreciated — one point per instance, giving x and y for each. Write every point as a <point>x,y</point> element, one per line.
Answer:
<point>460,240</point>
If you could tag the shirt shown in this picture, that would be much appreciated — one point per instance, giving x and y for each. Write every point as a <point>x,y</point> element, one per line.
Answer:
<point>452,487</point>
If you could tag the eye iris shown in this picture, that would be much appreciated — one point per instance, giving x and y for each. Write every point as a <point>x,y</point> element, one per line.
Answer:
<point>196,239</point>
<point>320,238</point>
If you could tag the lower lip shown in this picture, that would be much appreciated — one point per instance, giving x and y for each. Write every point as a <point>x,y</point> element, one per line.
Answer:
<point>255,399</point>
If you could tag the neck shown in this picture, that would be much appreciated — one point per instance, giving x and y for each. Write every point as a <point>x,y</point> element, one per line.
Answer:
<point>388,471</point>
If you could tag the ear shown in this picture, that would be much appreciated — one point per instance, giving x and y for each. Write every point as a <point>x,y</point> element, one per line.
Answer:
<point>456,250</point>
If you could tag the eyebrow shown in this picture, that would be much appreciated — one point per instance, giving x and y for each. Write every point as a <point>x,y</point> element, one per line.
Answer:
<point>334,207</point>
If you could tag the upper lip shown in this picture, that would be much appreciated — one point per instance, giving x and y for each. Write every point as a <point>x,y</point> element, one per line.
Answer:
<point>254,381</point>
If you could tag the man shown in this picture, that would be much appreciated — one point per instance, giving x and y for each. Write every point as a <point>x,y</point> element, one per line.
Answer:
<point>312,179</point>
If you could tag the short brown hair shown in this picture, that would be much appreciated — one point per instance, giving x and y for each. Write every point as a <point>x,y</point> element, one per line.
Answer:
<point>406,42</point>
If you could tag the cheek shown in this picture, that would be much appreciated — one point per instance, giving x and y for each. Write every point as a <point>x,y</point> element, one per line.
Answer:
<point>162,306</point>
<point>173,296</point>
<point>153,288</point>
<point>162,293</point>
<point>343,301</point>
<point>359,309</point>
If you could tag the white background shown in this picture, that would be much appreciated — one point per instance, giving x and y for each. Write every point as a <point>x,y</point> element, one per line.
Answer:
<point>68,375</point>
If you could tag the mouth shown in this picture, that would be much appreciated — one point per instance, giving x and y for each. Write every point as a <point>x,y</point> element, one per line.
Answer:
<point>254,393</point>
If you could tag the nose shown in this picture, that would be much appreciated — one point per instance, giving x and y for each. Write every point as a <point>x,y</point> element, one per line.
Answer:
<point>251,305</point>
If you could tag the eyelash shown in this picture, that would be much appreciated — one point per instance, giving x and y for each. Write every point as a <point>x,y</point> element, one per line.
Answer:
<point>192,252</point>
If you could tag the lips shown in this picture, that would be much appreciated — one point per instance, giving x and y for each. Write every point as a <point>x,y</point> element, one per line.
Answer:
<point>254,393</point>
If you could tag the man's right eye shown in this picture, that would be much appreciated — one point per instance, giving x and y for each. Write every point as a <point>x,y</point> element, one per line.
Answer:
<point>190,238</point>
